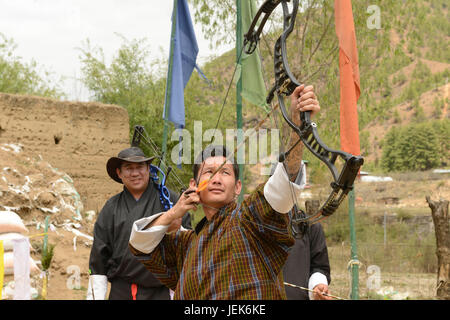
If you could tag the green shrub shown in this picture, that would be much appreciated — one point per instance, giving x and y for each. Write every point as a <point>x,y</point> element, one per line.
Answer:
<point>418,146</point>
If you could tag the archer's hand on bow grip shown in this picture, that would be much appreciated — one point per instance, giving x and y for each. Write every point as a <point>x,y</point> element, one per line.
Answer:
<point>188,201</point>
<point>303,99</point>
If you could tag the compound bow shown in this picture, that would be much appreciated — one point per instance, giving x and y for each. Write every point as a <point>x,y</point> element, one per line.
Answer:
<point>285,84</point>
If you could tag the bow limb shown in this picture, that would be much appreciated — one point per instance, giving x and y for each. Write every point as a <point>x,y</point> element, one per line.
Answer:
<point>252,37</point>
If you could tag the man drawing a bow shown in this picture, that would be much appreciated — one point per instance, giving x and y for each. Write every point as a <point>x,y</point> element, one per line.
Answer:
<point>238,250</point>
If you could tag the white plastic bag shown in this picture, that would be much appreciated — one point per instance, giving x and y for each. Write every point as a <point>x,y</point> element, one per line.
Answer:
<point>11,222</point>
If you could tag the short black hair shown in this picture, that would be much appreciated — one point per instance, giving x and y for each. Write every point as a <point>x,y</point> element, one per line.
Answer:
<point>214,151</point>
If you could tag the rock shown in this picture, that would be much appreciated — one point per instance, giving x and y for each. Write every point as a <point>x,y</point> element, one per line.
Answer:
<point>45,198</point>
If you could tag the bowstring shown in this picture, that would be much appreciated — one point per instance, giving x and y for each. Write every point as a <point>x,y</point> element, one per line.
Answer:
<point>158,153</point>
<point>228,90</point>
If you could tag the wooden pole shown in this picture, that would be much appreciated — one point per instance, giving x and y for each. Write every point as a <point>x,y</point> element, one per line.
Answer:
<point>439,212</point>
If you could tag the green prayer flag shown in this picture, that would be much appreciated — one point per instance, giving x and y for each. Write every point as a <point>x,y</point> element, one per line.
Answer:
<point>253,88</point>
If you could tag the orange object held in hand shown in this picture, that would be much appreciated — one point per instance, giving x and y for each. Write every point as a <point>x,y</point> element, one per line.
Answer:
<point>202,185</point>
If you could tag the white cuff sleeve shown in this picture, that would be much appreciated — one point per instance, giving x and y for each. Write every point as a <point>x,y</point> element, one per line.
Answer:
<point>281,193</point>
<point>148,239</point>
<point>315,279</point>
<point>97,287</point>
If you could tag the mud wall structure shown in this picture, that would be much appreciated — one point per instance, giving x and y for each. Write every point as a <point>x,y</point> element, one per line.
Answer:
<point>75,137</point>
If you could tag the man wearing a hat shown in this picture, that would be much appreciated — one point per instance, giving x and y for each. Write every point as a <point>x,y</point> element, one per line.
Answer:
<point>110,259</point>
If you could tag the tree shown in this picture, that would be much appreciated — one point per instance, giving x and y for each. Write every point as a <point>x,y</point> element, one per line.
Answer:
<point>218,20</point>
<point>413,147</point>
<point>442,129</point>
<point>128,81</point>
<point>18,77</point>
<point>391,158</point>
<point>421,150</point>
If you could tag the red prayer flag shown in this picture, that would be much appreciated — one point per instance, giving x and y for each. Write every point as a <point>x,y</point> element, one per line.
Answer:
<point>349,76</point>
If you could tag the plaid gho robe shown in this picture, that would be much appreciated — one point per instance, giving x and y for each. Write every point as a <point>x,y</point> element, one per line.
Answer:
<point>239,254</point>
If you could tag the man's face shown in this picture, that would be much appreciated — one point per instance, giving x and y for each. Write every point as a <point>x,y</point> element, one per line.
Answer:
<point>223,187</point>
<point>135,176</point>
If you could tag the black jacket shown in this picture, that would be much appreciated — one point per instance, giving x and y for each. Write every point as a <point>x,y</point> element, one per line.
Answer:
<point>308,255</point>
<point>110,254</point>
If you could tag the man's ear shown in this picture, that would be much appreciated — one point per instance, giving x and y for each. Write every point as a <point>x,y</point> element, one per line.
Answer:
<point>192,183</point>
<point>238,187</point>
<point>118,173</point>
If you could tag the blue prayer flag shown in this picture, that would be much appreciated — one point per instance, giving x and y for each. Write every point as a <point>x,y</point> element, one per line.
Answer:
<point>184,56</point>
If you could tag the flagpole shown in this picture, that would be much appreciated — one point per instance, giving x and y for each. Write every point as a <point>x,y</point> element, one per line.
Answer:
<point>349,91</point>
<point>168,85</point>
<point>239,119</point>
<point>354,263</point>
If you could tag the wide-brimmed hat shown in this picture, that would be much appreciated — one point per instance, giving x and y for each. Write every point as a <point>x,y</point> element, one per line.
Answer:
<point>133,154</point>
